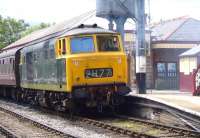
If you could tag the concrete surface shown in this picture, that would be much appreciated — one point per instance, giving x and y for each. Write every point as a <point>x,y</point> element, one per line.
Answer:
<point>181,100</point>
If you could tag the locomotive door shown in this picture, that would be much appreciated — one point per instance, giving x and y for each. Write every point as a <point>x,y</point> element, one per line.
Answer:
<point>59,72</point>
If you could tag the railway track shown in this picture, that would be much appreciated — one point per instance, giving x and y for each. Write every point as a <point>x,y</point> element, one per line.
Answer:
<point>168,131</point>
<point>113,128</point>
<point>9,129</point>
<point>177,131</point>
<point>190,123</point>
<point>6,133</point>
<point>100,124</point>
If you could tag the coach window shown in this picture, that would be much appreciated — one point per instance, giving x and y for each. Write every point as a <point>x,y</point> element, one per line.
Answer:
<point>63,47</point>
<point>13,65</point>
<point>10,60</point>
<point>3,61</point>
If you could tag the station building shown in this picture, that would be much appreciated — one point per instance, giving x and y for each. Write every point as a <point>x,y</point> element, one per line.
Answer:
<point>168,40</point>
<point>189,62</point>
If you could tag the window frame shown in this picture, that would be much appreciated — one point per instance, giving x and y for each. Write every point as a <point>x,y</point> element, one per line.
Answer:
<point>64,46</point>
<point>83,36</point>
<point>121,48</point>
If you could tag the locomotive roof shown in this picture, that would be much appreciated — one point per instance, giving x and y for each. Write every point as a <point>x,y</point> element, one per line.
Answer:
<point>82,29</point>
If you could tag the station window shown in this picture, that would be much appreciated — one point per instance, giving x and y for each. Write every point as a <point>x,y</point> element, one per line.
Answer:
<point>63,46</point>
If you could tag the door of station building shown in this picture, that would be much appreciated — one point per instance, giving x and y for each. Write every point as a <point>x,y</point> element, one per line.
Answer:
<point>166,76</point>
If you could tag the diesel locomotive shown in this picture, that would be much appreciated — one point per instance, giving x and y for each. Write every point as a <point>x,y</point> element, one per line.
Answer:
<point>85,66</point>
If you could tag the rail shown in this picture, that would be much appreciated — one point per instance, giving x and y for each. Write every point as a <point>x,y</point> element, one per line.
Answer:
<point>7,132</point>
<point>33,122</point>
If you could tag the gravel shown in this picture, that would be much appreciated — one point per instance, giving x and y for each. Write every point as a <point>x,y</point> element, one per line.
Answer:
<point>74,128</point>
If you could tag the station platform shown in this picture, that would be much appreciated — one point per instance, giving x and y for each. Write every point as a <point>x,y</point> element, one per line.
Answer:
<point>181,100</point>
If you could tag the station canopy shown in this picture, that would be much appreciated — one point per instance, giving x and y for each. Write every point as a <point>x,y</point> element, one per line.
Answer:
<point>191,52</point>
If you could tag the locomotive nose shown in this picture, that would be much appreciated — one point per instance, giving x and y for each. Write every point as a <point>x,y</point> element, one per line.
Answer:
<point>99,70</point>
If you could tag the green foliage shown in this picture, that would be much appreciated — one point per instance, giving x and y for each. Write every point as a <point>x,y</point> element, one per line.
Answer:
<point>31,29</point>
<point>10,30</point>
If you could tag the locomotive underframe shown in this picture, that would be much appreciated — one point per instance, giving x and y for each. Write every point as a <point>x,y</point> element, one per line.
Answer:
<point>81,97</point>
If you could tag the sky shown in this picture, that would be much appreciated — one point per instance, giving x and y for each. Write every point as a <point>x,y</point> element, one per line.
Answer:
<point>50,11</point>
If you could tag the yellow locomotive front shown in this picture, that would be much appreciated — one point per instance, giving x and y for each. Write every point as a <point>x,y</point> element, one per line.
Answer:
<point>96,65</point>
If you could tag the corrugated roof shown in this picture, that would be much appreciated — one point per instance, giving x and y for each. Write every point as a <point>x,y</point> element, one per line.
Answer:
<point>179,29</point>
<point>52,31</point>
<point>191,52</point>
<point>189,31</point>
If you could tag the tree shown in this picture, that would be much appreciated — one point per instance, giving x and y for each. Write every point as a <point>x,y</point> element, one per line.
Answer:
<point>10,30</point>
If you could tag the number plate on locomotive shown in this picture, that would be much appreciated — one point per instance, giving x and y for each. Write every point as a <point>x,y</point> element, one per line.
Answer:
<point>99,73</point>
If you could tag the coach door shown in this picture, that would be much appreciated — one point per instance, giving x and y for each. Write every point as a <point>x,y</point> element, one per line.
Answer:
<point>166,76</point>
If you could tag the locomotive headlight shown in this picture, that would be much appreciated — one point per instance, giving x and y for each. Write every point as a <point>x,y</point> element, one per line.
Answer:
<point>77,78</point>
<point>119,77</point>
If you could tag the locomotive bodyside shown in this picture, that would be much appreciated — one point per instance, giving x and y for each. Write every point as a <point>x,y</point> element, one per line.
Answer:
<point>40,70</point>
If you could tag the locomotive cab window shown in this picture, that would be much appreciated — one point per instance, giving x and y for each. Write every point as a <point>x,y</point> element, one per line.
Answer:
<point>59,47</point>
<point>82,45</point>
<point>108,43</point>
<point>63,46</point>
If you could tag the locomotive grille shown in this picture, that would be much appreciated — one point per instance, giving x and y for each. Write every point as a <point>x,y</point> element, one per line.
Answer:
<point>98,73</point>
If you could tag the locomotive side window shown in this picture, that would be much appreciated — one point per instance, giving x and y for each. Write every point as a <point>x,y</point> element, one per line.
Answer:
<point>35,57</point>
<point>52,53</point>
<point>82,45</point>
<point>59,47</point>
<point>51,46</point>
<point>46,50</point>
<point>108,43</point>
<point>63,47</point>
